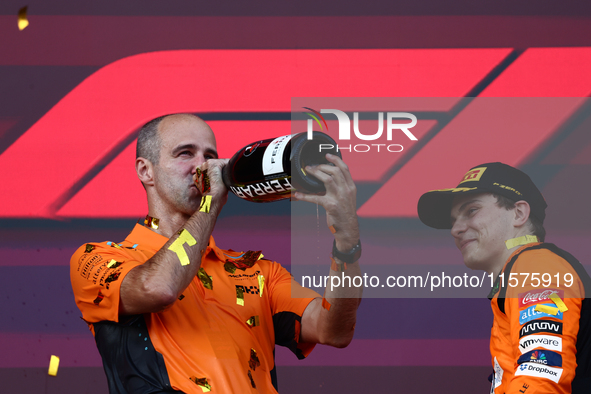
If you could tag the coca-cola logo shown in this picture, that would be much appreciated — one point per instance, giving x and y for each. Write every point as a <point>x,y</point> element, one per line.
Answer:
<point>538,295</point>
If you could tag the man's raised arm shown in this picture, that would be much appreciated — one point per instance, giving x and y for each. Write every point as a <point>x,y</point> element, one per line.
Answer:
<point>331,320</point>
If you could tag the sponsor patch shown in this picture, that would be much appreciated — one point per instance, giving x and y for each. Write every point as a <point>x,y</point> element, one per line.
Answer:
<point>536,296</point>
<point>541,356</point>
<point>541,325</point>
<point>531,342</point>
<point>541,371</point>
<point>474,174</point>
<point>497,378</point>
<point>532,314</point>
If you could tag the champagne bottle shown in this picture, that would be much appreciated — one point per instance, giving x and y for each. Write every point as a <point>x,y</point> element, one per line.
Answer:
<point>262,171</point>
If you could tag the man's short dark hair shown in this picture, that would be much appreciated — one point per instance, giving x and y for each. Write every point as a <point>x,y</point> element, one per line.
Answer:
<point>536,225</point>
<point>148,142</point>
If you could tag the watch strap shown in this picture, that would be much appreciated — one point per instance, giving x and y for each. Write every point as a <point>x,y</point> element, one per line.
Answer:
<point>347,257</point>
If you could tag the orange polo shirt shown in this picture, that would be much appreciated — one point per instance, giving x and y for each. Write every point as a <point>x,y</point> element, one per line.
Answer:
<point>219,336</point>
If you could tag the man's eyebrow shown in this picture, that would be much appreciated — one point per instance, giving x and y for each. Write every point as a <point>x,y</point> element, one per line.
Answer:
<point>213,152</point>
<point>193,147</point>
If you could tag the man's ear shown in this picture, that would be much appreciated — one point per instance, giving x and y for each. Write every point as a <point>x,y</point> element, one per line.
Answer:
<point>145,171</point>
<point>521,211</point>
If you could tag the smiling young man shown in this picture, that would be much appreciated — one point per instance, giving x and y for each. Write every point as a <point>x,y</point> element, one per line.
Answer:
<point>541,334</point>
<point>172,312</point>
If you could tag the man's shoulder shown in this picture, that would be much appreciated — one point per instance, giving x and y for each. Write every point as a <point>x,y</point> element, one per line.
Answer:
<point>98,251</point>
<point>542,252</point>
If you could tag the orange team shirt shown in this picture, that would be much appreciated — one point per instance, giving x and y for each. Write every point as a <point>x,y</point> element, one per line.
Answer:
<point>219,336</point>
<point>533,351</point>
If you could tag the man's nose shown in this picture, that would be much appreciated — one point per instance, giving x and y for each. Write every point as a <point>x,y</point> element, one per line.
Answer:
<point>458,228</point>
<point>198,161</point>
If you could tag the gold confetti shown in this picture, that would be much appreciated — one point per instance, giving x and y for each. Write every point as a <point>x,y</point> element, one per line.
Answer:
<point>113,277</point>
<point>185,237</point>
<point>205,279</point>
<point>205,204</point>
<point>559,303</point>
<point>325,304</point>
<point>246,261</point>
<point>201,382</point>
<point>22,18</point>
<point>240,295</point>
<point>254,321</point>
<point>202,180</point>
<point>261,284</point>
<point>114,245</point>
<point>547,309</point>
<point>229,267</point>
<point>98,298</point>
<point>89,248</point>
<point>112,263</point>
<point>151,222</point>
<point>54,363</point>
<point>254,362</point>
<point>254,386</point>
<point>181,297</point>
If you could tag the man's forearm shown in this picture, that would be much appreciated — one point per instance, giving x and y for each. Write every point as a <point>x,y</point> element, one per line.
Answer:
<point>156,284</point>
<point>339,309</point>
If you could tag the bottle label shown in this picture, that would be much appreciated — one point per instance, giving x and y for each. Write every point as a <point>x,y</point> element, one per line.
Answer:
<point>273,156</point>
<point>280,186</point>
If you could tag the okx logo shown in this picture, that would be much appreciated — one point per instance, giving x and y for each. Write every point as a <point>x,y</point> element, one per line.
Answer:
<point>391,122</point>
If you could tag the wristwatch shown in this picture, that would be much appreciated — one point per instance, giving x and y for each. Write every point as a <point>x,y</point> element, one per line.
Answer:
<point>349,257</point>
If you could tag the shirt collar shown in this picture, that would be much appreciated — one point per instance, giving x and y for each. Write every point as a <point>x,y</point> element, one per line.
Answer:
<point>142,235</point>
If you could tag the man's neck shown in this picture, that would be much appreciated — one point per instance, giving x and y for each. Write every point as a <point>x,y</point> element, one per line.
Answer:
<point>168,223</point>
<point>511,244</point>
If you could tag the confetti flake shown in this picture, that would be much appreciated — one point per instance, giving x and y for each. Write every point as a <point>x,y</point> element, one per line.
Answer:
<point>89,248</point>
<point>23,22</point>
<point>113,264</point>
<point>240,295</point>
<point>205,279</point>
<point>261,284</point>
<point>254,362</point>
<point>113,277</point>
<point>325,304</point>
<point>205,204</point>
<point>254,321</point>
<point>547,309</point>
<point>202,383</point>
<point>202,181</point>
<point>229,267</point>
<point>54,363</point>
<point>151,222</point>
<point>559,303</point>
<point>246,261</point>
<point>98,298</point>
<point>254,386</point>
<point>184,237</point>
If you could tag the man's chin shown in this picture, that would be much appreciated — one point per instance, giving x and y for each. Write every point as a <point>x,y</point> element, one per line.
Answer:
<point>474,264</point>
